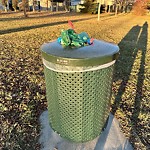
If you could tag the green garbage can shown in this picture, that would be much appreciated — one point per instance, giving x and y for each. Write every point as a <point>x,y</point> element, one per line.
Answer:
<point>78,87</point>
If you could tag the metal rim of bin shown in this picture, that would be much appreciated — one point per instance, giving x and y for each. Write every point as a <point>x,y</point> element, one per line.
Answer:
<point>70,69</point>
<point>61,57</point>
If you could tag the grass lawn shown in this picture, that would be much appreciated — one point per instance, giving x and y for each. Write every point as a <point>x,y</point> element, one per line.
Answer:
<point>22,86</point>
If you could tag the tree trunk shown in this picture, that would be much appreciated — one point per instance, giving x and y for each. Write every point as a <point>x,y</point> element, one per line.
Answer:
<point>33,6</point>
<point>116,10</point>
<point>5,4</point>
<point>52,5</point>
<point>109,8</point>
<point>25,5</point>
<point>25,12</point>
<point>47,5</point>
<point>57,5</point>
<point>124,7</point>
<point>39,6</point>
<point>6,9</point>
<point>67,6</point>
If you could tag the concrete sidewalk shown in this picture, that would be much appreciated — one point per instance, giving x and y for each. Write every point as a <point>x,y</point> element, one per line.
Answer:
<point>110,139</point>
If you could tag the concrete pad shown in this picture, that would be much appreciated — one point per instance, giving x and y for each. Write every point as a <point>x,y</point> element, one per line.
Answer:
<point>110,139</point>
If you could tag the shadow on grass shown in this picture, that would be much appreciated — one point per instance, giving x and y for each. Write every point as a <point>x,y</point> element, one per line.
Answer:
<point>35,16</point>
<point>133,43</point>
<point>142,46</point>
<point>40,26</point>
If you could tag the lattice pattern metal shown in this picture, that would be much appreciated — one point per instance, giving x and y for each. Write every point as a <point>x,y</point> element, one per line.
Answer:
<point>79,102</point>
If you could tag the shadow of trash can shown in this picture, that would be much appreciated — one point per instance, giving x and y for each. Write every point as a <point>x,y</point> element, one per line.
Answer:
<point>78,87</point>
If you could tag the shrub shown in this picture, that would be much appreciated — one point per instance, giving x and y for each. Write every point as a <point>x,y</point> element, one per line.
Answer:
<point>91,6</point>
<point>86,6</point>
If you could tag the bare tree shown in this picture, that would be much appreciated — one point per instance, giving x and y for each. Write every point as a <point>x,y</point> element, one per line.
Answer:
<point>67,5</point>
<point>51,5</point>
<point>15,4</point>
<point>34,5</point>
<point>47,5</point>
<point>4,3</point>
<point>121,5</point>
<point>25,6</point>
<point>116,7</point>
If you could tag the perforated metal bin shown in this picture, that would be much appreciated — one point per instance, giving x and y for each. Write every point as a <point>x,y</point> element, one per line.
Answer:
<point>78,87</point>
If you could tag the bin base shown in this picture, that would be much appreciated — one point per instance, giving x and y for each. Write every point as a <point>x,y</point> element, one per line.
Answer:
<point>110,138</point>
<point>92,138</point>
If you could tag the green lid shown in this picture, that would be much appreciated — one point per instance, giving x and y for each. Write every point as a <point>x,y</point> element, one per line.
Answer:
<point>92,55</point>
